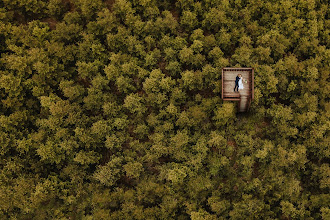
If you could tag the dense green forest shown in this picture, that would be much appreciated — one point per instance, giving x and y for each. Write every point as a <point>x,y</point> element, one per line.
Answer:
<point>112,109</point>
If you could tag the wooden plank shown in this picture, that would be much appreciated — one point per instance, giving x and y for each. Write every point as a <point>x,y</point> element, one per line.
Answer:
<point>222,84</point>
<point>236,68</point>
<point>229,86</point>
<point>233,79</point>
<point>242,93</point>
<point>231,99</point>
<point>232,76</point>
<point>232,95</point>
<point>233,82</point>
<point>227,82</point>
<point>236,72</point>
<point>243,104</point>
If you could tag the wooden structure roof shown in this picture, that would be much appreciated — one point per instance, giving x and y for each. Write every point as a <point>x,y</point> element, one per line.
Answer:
<point>245,96</point>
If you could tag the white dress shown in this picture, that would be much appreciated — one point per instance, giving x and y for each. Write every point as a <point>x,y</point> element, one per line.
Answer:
<point>240,84</point>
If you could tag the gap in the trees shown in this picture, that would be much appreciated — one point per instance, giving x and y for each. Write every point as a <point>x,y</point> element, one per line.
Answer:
<point>243,96</point>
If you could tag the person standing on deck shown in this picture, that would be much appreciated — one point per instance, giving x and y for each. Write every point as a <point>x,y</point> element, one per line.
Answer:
<point>240,82</point>
<point>236,82</point>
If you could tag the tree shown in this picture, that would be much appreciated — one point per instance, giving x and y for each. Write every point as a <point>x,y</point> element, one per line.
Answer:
<point>170,22</point>
<point>56,8</point>
<point>217,205</point>
<point>30,7</point>
<point>224,114</point>
<point>202,214</point>
<point>133,169</point>
<point>186,55</point>
<point>133,103</point>
<point>88,8</point>
<point>175,174</point>
<point>189,20</point>
<point>110,173</point>
<point>243,56</point>
<point>248,206</point>
<point>214,19</point>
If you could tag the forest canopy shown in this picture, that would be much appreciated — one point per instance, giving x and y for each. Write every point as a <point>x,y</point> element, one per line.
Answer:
<point>112,109</point>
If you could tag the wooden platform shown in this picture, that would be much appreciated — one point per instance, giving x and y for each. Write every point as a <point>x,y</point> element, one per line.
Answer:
<point>245,95</point>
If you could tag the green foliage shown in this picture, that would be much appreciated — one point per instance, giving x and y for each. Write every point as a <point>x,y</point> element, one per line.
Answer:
<point>133,103</point>
<point>29,6</point>
<point>111,110</point>
<point>109,173</point>
<point>189,20</point>
<point>133,169</point>
<point>224,114</point>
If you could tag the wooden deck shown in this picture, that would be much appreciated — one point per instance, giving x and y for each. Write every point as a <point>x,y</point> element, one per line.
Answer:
<point>245,95</point>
